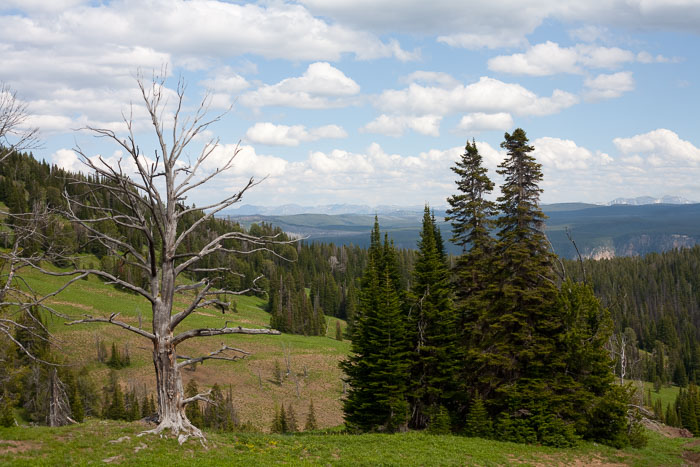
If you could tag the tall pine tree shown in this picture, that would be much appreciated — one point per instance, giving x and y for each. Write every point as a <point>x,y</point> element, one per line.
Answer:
<point>377,367</point>
<point>434,362</point>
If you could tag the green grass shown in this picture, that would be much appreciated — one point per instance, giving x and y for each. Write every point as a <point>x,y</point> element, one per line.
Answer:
<point>95,441</point>
<point>667,394</point>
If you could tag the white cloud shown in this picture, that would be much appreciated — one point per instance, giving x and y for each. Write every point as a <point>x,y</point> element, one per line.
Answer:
<point>501,39</point>
<point>487,95</point>
<point>609,86</point>
<point>659,148</point>
<point>339,161</point>
<point>283,135</point>
<point>506,23</point>
<point>67,159</point>
<point>320,87</point>
<point>396,125</point>
<point>646,57</point>
<point>590,33</point>
<point>226,80</point>
<point>549,58</point>
<point>442,79</point>
<point>564,154</point>
<point>92,50</point>
<point>222,29</point>
<point>480,121</point>
<point>539,60</point>
<point>247,162</point>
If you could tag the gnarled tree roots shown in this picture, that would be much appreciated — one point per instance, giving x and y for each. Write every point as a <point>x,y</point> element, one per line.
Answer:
<point>182,429</point>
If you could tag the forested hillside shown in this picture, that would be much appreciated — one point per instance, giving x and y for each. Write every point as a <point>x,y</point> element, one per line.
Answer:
<point>655,302</point>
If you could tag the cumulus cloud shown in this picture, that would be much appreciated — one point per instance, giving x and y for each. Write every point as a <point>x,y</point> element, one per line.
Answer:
<point>487,95</point>
<point>93,49</point>
<point>564,154</point>
<point>396,125</point>
<point>439,78</point>
<point>222,29</point>
<point>480,121</point>
<point>67,159</point>
<point>491,24</point>
<point>224,85</point>
<point>283,135</point>
<point>550,58</point>
<point>609,86</point>
<point>590,33</point>
<point>658,147</point>
<point>321,86</point>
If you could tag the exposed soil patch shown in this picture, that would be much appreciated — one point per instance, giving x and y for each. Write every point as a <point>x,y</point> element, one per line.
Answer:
<point>667,431</point>
<point>691,457</point>
<point>15,447</point>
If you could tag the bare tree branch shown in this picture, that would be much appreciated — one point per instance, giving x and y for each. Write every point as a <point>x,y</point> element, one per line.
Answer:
<point>204,332</point>
<point>15,134</point>
<point>215,355</point>
<point>111,320</point>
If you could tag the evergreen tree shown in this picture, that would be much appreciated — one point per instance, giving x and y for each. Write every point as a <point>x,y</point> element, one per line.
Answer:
<point>311,424</point>
<point>377,366</point>
<point>350,309</point>
<point>515,337</point>
<point>117,408</point>
<point>193,411</point>
<point>133,409</point>
<point>478,424</point>
<point>277,422</point>
<point>292,425</point>
<point>471,216</point>
<point>434,363</point>
<point>7,415</point>
<point>77,407</point>
<point>440,423</point>
<point>282,423</point>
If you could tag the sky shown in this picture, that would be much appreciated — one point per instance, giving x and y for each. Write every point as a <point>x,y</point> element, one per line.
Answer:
<point>371,101</point>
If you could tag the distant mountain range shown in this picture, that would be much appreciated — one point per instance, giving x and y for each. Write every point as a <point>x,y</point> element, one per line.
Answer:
<point>618,229</point>
<point>331,209</point>
<point>642,200</point>
<point>335,209</point>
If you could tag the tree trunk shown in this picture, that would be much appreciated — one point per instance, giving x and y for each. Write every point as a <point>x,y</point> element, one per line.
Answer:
<point>171,410</point>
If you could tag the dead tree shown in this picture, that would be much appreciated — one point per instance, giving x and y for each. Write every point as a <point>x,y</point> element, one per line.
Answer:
<point>17,296</point>
<point>150,202</point>
<point>15,134</point>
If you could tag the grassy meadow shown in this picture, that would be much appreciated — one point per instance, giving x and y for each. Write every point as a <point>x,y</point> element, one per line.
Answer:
<point>108,442</point>
<point>313,361</point>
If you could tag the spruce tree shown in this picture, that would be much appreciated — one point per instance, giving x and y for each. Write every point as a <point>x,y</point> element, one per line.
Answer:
<point>117,408</point>
<point>7,414</point>
<point>377,367</point>
<point>311,424</point>
<point>292,425</point>
<point>283,427</point>
<point>193,411</point>
<point>432,329</point>
<point>516,335</point>
<point>77,408</point>
<point>478,424</point>
<point>276,426</point>
<point>134,410</point>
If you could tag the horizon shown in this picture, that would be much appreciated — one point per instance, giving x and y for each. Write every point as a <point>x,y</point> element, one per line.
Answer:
<point>334,106</point>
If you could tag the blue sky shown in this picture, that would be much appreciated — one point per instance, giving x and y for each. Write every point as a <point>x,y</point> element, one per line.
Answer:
<point>371,102</point>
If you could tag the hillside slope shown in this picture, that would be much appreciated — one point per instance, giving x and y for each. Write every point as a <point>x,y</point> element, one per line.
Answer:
<point>313,361</point>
